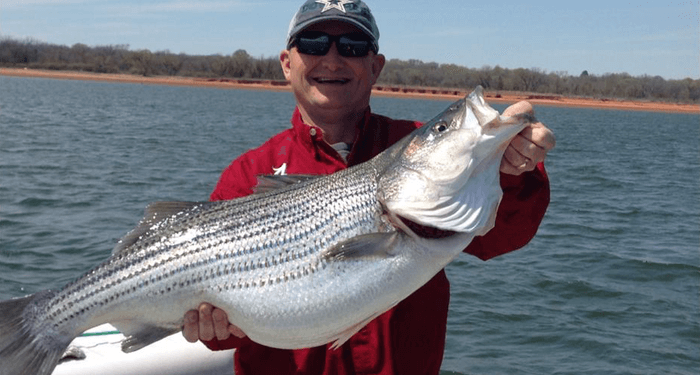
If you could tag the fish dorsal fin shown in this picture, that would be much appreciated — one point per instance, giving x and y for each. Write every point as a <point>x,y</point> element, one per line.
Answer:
<point>371,245</point>
<point>155,213</point>
<point>268,183</point>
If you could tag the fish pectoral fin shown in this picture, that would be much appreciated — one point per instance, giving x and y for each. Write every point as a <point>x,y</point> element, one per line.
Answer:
<point>139,335</point>
<point>373,245</point>
<point>154,213</point>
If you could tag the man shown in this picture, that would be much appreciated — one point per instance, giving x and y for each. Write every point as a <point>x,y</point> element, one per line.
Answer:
<point>332,61</point>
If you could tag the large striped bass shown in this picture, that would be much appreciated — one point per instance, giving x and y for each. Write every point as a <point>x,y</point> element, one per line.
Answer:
<point>304,264</point>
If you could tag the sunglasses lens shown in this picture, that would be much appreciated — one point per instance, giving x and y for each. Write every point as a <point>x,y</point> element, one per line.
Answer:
<point>313,44</point>
<point>349,46</point>
<point>318,44</point>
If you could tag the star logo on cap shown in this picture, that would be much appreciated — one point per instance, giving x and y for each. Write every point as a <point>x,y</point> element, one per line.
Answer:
<point>339,4</point>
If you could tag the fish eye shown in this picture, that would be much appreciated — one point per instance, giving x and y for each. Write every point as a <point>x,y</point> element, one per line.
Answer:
<point>440,127</point>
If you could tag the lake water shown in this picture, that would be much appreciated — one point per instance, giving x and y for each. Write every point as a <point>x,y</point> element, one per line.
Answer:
<point>610,285</point>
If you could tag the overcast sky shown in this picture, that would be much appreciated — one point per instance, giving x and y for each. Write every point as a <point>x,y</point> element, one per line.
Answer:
<point>637,37</point>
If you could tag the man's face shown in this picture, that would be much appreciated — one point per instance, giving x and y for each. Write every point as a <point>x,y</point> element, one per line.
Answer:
<point>331,82</point>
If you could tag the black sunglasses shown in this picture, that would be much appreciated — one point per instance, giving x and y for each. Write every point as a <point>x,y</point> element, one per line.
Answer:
<point>318,43</point>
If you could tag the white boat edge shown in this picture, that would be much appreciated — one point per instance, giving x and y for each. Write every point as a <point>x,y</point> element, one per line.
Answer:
<point>173,355</point>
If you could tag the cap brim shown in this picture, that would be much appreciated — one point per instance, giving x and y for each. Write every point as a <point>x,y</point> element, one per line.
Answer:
<point>303,25</point>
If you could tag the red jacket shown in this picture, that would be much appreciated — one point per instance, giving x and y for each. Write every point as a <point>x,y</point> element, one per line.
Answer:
<point>410,338</point>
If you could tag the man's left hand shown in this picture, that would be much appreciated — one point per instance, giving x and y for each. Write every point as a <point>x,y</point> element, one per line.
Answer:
<point>529,147</point>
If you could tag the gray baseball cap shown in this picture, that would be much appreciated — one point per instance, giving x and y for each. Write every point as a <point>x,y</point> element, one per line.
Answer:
<point>354,12</point>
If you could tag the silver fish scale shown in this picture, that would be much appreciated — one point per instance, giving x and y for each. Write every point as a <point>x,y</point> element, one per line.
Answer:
<point>287,239</point>
<point>220,247</point>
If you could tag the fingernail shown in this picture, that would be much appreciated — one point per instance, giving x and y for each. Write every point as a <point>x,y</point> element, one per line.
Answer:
<point>205,309</point>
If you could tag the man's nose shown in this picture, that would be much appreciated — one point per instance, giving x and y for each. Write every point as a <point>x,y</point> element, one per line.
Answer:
<point>333,60</point>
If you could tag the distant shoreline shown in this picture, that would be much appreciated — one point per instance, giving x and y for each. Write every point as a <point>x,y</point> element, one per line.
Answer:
<point>399,92</point>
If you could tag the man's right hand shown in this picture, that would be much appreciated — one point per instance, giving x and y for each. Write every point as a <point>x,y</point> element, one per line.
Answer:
<point>208,323</point>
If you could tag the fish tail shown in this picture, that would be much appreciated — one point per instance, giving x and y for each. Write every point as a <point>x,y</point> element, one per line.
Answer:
<point>24,349</point>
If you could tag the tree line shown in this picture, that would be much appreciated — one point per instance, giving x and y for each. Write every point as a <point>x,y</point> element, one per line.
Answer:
<point>607,86</point>
<point>119,59</point>
<point>412,73</point>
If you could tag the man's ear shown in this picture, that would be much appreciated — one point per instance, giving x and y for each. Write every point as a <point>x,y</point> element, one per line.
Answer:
<point>285,62</point>
<point>378,62</point>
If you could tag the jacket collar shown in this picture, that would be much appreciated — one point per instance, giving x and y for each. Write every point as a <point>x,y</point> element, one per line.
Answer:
<point>312,136</point>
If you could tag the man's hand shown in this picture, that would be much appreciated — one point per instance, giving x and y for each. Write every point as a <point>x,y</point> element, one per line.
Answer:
<point>529,147</point>
<point>208,323</point>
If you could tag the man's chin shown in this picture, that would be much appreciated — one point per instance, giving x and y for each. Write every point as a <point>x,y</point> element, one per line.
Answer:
<point>332,89</point>
<point>332,97</point>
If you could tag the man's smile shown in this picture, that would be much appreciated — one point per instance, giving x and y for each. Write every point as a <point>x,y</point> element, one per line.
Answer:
<point>331,81</point>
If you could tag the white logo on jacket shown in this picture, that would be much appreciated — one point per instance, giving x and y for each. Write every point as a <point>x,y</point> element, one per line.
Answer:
<point>281,171</point>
